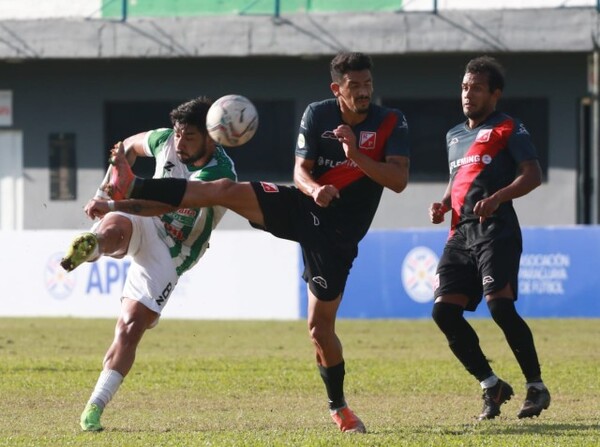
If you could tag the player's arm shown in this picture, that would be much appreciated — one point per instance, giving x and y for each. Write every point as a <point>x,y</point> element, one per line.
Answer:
<point>303,179</point>
<point>134,147</point>
<point>529,178</point>
<point>438,209</point>
<point>391,173</point>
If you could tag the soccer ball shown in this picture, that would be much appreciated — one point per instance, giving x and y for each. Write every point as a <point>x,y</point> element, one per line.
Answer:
<point>232,120</point>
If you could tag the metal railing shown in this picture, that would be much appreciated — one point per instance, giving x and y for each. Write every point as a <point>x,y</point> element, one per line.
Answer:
<point>125,9</point>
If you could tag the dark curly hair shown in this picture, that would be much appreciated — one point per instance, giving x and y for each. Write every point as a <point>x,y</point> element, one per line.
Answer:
<point>192,112</point>
<point>344,62</point>
<point>488,66</point>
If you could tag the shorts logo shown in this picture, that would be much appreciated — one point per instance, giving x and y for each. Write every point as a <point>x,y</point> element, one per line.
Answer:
<point>319,280</point>
<point>367,140</point>
<point>522,130</point>
<point>419,277</point>
<point>329,134</point>
<point>316,220</point>
<point>483,136</point>
<point>269,187</point>
<point>487,280</point>
<point>162,299</point>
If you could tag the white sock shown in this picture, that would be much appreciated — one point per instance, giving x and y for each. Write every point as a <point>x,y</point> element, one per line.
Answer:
<point>539,385</point>
<point>107,385</point>
<point>489,382</point>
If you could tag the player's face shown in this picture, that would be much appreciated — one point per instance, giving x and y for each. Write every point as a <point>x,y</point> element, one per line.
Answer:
<point>354,92</point>
<point>477,100</point>
<point>190,144</point>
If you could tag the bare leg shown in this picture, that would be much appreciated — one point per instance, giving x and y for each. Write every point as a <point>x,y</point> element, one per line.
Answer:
<point>238,197</point>
<point>321,326</point>
<point>135,318</point>
<point>114,234</point>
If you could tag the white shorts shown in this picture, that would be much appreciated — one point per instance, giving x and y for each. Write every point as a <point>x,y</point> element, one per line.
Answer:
<point>152,276</point>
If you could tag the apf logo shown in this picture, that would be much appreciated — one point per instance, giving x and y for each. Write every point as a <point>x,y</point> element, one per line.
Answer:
<point>418,274</point>
<point>59,283</point>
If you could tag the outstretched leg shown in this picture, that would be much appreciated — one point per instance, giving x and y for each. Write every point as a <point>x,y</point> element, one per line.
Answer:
<point>108,237</point>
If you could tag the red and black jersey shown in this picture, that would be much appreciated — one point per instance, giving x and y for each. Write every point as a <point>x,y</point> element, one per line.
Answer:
<point>482,161</point>
<point>384,132</point>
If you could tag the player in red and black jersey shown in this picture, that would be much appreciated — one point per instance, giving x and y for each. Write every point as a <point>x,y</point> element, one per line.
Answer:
<point>348,150</point>
<point>491,162</point>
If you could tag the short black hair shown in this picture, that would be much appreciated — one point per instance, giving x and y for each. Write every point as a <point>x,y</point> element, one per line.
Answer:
<point>489,66</point>
<point>192,112</point>
<point>344,62</point>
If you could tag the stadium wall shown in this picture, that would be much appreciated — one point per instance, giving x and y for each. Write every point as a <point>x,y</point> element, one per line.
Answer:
<point>63,96</point>
<point>251,275</point>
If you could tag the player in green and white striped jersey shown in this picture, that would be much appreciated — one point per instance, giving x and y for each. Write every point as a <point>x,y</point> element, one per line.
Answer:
<point>162,247</point>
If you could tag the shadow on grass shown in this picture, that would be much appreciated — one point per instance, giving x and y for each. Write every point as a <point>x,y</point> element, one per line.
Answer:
<point>520,428</point>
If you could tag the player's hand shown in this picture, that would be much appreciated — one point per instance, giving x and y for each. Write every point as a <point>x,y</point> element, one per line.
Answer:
<point>346,136</point>
<point>486,207</point>
<point>323,195</point>
<point>96,208</point>
<point>436,212</point>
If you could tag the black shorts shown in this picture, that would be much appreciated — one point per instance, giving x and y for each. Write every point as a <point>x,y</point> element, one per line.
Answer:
<point>478,270</point>
<point>290,214</point>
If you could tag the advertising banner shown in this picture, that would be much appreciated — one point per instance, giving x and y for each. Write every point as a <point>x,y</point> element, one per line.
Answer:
<point>394,273</point>
<point>243,275</point>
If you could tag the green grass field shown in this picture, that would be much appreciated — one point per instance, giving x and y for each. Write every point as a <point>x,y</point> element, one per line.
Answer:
<point>217,383</point>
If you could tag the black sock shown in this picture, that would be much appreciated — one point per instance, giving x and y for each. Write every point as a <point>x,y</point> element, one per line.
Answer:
<point>462,339</point>
<point>333,378</point>
<point>166,190</point>
<point>518,335</point>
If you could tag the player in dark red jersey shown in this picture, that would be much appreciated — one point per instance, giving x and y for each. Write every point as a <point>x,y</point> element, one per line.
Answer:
<point>348,150</point>
<point>491,161</point>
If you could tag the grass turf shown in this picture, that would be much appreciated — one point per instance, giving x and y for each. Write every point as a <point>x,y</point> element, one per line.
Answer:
<point>252,383</point>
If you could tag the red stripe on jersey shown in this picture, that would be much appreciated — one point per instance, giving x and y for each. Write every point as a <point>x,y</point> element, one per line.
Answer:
<point>348,172</point>
<point>466,175</point>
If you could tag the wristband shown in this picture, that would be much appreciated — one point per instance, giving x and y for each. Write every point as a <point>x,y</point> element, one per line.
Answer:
<point>101,194</point>
<point>111,205</point>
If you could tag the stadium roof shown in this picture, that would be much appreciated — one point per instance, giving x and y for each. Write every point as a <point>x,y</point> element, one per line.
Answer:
<point>381,33</point>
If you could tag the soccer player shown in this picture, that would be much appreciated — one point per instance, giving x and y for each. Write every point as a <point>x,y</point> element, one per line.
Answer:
<point>162,248</point>
<point>492,161</point>
<point>348,150</point>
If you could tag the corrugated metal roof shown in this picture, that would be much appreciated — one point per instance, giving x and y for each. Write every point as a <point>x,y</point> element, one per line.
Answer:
<point>516,30</point>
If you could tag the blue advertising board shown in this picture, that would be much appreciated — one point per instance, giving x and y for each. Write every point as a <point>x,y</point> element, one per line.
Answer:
<point>394,272</point>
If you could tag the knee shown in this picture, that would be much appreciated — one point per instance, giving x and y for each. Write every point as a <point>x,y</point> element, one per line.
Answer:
<point>503,311</point>
<point>319,333</point>
<point>130,329</point>
<point>223,185</point>
<point>446,315</point>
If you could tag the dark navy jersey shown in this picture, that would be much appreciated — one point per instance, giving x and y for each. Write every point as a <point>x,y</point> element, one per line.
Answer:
<point>383,133</point>
<point>482,161</point>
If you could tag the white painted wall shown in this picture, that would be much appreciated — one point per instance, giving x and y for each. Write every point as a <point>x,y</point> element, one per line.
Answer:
<point>244,275</point>
<point>11,180</point>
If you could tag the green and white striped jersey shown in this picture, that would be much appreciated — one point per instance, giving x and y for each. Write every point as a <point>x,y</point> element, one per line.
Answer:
<point>186,231</point>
